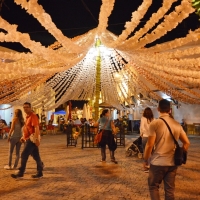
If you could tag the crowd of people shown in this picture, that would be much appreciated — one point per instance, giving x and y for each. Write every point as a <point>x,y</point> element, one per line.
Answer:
<point>78,122</point>
<point>158,144</point>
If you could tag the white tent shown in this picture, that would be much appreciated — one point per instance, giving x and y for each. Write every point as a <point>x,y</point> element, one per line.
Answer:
<point>89,113</point>
<point>85,112</point>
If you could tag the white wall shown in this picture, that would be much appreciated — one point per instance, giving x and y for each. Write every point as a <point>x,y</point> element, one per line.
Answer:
<point>191,113</point>
<point>138,112</point>
<point>6,114</point>
<point>114,114</point>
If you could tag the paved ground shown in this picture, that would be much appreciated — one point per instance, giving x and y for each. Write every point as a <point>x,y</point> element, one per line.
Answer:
<point>73,173</point>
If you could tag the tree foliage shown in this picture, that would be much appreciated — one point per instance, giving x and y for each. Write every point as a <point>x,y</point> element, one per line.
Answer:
<point>196,5</point>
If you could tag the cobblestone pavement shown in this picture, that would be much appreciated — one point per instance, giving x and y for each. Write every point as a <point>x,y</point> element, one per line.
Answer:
<point>72,173</point>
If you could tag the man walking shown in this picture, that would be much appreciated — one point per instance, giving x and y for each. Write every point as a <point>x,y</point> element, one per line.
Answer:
<point>31,137</point>
<point>162,167</point>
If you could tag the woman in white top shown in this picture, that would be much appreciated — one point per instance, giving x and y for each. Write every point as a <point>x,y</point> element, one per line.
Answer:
<point>144,126</point>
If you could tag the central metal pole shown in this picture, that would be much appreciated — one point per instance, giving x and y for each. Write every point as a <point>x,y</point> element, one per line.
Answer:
<point>98,80</point>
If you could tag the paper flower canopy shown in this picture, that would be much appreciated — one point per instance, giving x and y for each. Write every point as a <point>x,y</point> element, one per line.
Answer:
<point>66,70</point>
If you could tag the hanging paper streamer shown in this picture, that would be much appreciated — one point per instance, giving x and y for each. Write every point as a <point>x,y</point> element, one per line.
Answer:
<point>120,68</point>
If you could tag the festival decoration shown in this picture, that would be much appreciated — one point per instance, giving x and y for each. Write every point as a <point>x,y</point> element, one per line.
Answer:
<point>69,70</point>
<point>98,81</point>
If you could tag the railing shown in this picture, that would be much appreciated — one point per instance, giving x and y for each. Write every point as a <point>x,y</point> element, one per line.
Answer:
<point>71,139</point>
<point>89,132</point>
<point>192,129</point>
<point>120,137</point>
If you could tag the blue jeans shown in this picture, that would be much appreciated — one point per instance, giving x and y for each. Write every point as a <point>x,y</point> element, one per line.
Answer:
<point>156,175</point>
<point>14,143</point>
<point>144,141</point>
<point>103,154</point>
<point>30,149</point>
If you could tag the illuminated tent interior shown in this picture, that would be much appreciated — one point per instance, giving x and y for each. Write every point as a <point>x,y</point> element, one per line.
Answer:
<point>119,69</point>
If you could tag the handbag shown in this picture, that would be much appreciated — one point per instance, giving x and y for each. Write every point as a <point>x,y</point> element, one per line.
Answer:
<point>32,136</point>
<point>98,136</point>
<point>180,155</point>
<point>33,139</point>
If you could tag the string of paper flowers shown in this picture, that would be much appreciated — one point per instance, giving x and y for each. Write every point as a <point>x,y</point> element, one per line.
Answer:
<point>164,86</point>
<point>66,70</point>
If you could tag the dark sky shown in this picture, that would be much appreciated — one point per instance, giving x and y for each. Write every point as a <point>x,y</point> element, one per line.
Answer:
<point>75,17</point>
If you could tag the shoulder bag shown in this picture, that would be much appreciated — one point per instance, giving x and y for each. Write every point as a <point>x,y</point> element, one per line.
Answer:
<point>98,136</point>
<point>32,136</point>
<point>180,155</point>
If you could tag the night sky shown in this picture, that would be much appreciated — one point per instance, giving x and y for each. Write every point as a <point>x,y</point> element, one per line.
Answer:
<point>75,17</point>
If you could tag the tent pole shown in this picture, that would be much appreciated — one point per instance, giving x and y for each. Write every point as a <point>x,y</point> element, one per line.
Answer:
<point>98,80</point>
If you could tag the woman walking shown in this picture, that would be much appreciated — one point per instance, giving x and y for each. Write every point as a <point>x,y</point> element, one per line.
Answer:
<point>14,137</point>
<point>107,125</point>
<point>146,119</point>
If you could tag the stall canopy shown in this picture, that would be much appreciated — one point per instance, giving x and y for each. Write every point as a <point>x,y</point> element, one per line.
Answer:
<point>60,112</point>
<point>85,112</point>
<point>105,105</point>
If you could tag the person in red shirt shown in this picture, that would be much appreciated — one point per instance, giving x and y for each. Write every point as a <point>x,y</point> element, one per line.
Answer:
<point>31,137</point>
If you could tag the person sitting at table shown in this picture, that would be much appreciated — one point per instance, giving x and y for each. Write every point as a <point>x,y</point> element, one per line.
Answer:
<point>77,122</point>
<point>50,122</point>
<point>70,122</point>
<point>93,129</point>
<point>3,126</point>
<point>91,122</point>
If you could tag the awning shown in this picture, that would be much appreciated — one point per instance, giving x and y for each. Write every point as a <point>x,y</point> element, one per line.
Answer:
<point>60,112</point>
<point>105,105</point>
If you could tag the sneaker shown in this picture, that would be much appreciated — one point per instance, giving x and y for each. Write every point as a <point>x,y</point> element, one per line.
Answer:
<point>146,170</point>
<point>13,167</point>
<point>7,167</point>
<point>37,176</point>
<point>103,161</point>
<point>114,161</point>
<point>17,176</point>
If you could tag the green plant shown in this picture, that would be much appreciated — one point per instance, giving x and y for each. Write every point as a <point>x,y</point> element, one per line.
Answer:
<point>196,5</point>
<point>124,121</point>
